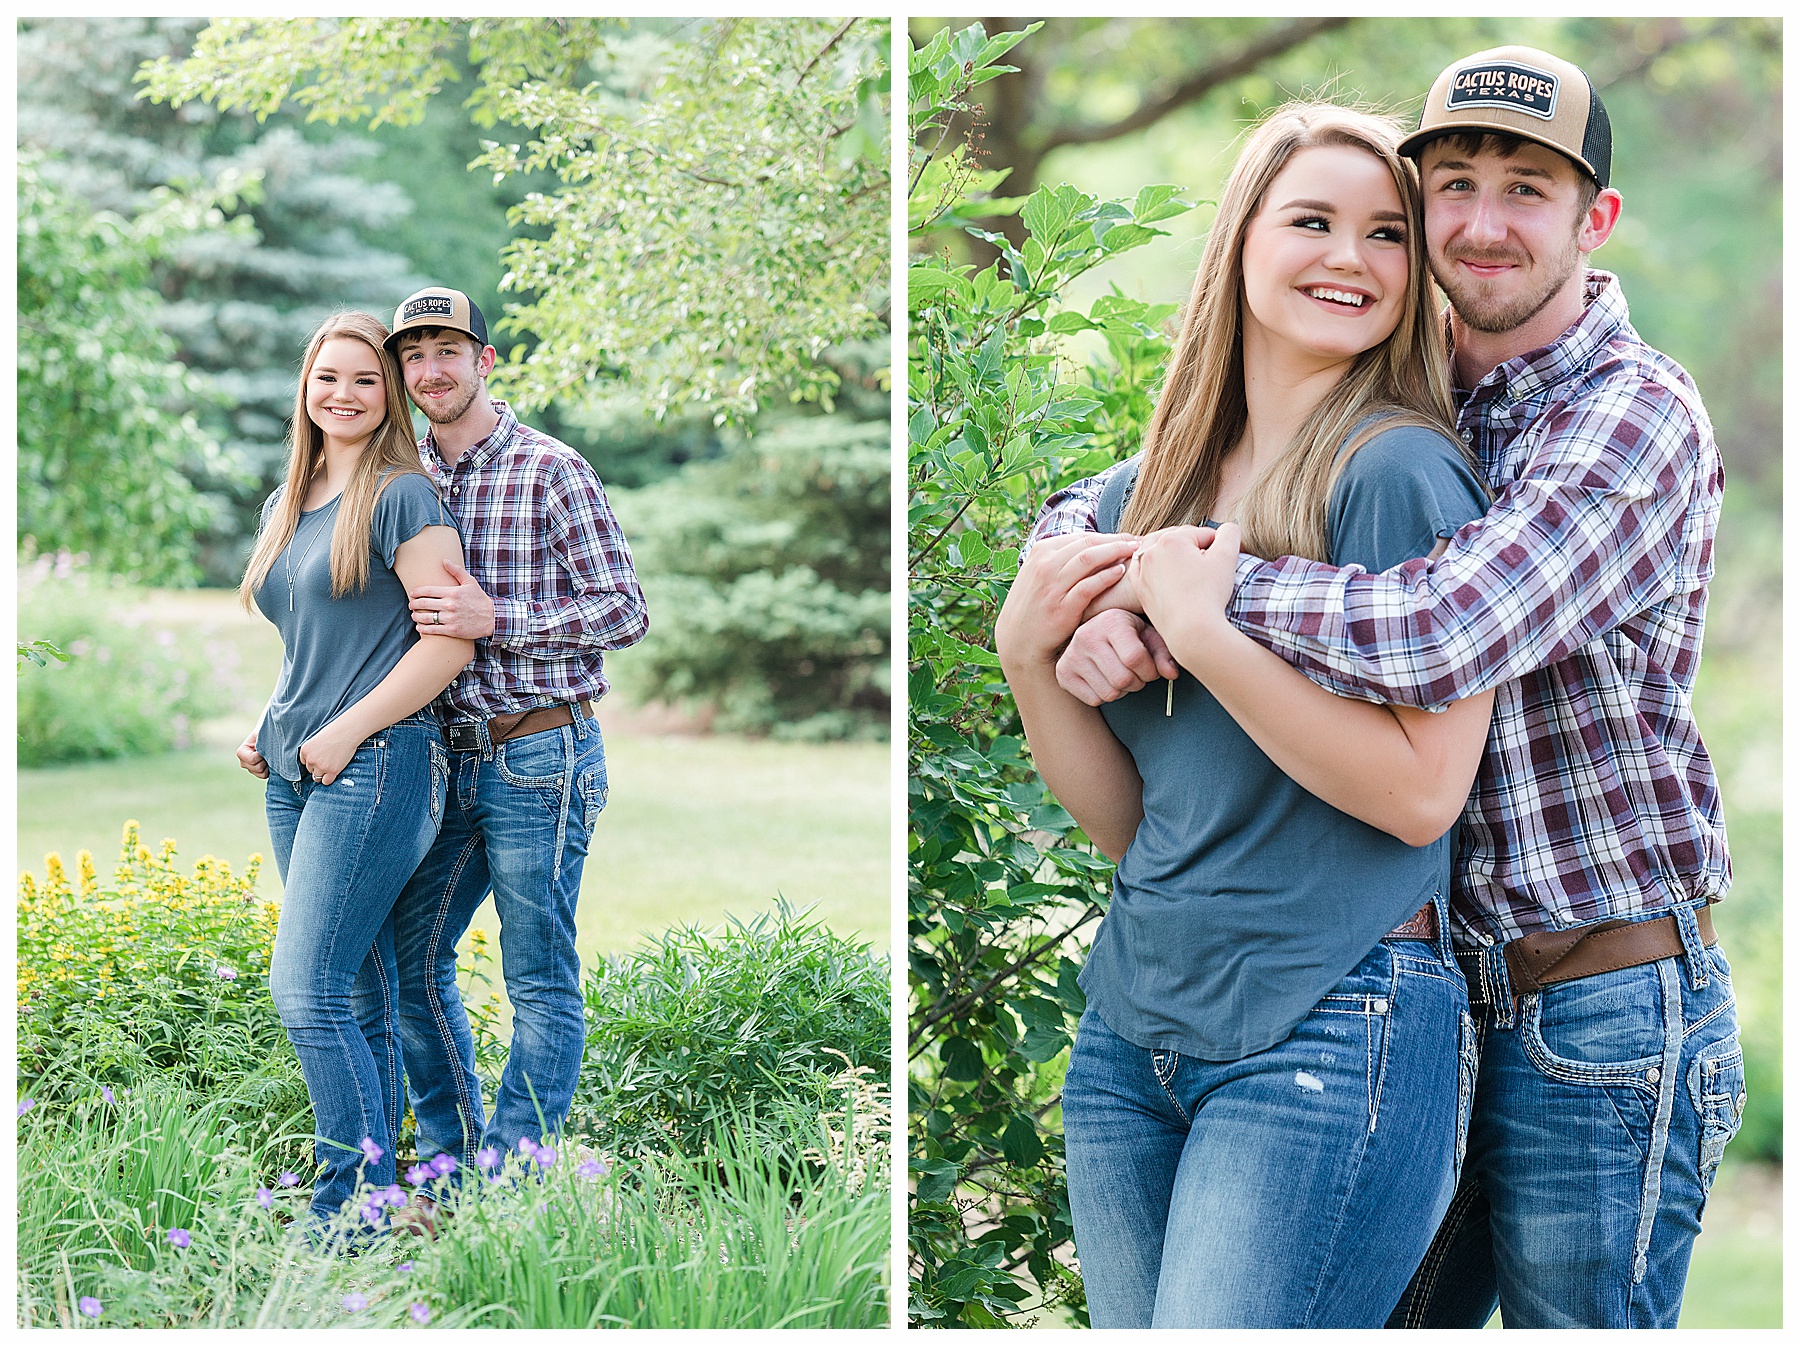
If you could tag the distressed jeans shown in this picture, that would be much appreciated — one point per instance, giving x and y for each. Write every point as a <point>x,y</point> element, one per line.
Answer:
<point>1602,1109</point>
<point>345,850</point>
<point>1297,1187</point>
<point>516,822</point>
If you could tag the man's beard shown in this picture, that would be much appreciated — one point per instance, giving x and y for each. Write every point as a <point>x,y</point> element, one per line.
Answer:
<point>1495,315</point>
<point>443,413</point>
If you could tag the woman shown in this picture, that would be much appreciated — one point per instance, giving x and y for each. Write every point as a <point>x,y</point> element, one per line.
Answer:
<point>355,763</point>
<point>1263,1103</point>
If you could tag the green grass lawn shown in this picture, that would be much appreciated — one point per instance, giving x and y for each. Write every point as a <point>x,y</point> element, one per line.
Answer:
<point>695,827</point>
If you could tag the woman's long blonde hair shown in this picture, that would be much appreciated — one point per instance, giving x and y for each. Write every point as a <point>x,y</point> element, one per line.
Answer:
<point>390,451</point>
<point>1202,413</point>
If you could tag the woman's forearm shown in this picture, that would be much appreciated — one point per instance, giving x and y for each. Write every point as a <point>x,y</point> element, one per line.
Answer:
<point>1083,763</point>
<point>1403,771</point>
<point>423,671</point>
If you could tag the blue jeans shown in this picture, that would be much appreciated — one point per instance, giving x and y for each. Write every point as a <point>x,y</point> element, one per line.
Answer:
<point>517,822</point>
<point>1601,1112</point>
<point>1297,1187</point>
<point>345,850</point>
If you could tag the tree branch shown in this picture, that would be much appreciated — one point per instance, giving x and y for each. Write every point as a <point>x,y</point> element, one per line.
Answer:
<point>1196,86</point>
<point>825,50</point>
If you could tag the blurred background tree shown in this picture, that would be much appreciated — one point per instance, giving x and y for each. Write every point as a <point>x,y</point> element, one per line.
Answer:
<point>1110,105</point>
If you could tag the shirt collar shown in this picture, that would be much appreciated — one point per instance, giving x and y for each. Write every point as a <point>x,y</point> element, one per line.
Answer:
<point>1603,316</point>
<point>498,438</point>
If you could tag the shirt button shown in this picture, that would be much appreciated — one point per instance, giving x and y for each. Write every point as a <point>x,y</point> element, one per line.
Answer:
<point>1468,436</point>
<point>1653,1074</point>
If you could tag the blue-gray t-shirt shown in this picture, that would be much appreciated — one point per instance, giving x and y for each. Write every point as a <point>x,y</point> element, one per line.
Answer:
<point>1243,899</point>
<point>335,651</point>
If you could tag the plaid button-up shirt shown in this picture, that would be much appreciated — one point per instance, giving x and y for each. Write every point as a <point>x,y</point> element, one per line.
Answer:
<point>1579,597</point>
<point>539,537</point>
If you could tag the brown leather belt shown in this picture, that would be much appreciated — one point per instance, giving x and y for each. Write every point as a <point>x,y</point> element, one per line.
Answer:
<point>1422,924</point>
<point>1546,957</point>
<point>466,735</point>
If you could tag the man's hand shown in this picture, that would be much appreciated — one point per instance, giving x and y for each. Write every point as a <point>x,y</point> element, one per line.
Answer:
<point>1112,655</point>
<point>461,609</point>
<point>1058,580</point>
<point>252,760</point>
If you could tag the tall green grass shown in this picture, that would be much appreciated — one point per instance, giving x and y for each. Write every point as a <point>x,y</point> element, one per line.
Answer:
<point>744,1233</point>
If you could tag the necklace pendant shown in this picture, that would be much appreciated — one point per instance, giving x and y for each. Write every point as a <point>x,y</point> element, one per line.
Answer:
<point>1169,699</point>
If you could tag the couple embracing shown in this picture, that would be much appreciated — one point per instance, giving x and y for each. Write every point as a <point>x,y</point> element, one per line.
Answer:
<point>443,605</point>
<point>1407,1002</point>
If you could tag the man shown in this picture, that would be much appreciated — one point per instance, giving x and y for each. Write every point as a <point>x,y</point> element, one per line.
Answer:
<point>549,586</point>
<point>1610,1074</point>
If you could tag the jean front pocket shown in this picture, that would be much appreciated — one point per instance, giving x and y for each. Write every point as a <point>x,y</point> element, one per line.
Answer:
<point>1716,1086</point>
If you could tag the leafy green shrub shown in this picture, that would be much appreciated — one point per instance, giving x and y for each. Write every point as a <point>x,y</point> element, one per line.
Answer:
<point>158,975</point>
<point>768,569</point>
<point>1004,892</point>
<point>128,687</point>
<point>692,1028</point>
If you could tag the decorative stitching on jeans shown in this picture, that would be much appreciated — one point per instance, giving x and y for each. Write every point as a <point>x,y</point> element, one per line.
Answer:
<point>1659,1127</point>
<point>1432,1267</point>
<point>1158,1058</point>
<point>446,1039</point>
<point>1584,1073</point>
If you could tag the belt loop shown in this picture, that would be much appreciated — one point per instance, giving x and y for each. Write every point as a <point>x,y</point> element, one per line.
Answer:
<point>1446,950</point>
<point>1693,951</point>
<point>1498,985</point>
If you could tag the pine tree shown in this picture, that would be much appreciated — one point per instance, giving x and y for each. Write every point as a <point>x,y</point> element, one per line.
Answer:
<point>239,308</point>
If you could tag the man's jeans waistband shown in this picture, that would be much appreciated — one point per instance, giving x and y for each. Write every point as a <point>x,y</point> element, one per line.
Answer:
<point>1500,973</point>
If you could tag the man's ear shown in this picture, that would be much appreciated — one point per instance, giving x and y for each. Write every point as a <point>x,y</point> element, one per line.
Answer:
<point>484,362</point>
<point>1601,218</point>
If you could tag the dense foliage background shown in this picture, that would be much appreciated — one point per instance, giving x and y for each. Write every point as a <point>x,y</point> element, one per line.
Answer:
<point>677,230</point>
<point>1043,272</point>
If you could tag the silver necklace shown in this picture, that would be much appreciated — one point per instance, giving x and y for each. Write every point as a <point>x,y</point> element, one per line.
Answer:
<point>287,556</point>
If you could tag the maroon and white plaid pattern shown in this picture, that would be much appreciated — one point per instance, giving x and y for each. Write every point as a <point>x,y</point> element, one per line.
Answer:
<point>1579,597</point>
<point>539,537</point>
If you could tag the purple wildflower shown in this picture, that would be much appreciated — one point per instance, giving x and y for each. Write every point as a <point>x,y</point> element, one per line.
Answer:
<point>265,1198</point>
<point>488,1157</point>
<point>546,1156</point>
<point>26,1105</point>
<point>392,1195</point>
<point>371,1213</point>
<point>89,1305</point>
<point>371,1151</point>
<point>404,1268</point>
<point>180,1237</point>
<point>443,1164</point>
<point>527,1145</point>
<point>355,1302</point>
<point>591,1168</point>
<point>289,1180</point>
<point>107,1093</point>
<point>420,1174</point>
<point>421,1314</point>
<point>224,973</point>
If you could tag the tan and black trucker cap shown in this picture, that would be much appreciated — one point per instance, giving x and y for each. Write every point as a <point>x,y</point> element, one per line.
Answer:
<point>1523,92</point>
<point>439,306</point>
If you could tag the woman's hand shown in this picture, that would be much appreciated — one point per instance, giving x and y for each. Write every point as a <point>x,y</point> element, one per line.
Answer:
<point>1051,592</point>
<point>1184,576</point>
<point>252,760</point>
<point>329,751</point>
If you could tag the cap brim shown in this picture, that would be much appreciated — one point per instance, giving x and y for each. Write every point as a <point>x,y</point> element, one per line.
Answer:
<point>1418,140</point>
